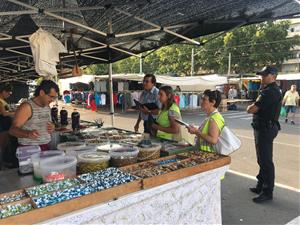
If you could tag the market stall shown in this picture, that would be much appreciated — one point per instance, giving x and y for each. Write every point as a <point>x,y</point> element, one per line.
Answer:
<point>144,181</point>
<point>127,87</point>
<point>105,32</point>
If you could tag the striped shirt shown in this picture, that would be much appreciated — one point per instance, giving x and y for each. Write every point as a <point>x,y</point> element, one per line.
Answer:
<point>38,121</point>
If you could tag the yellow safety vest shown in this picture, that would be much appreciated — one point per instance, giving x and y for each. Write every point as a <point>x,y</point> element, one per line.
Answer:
<point>4,103</point>
<point>163,120</point>
<point>218,118</point>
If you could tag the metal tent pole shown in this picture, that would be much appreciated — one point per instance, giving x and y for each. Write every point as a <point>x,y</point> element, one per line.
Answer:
<point>141,64</point>
<point>112,108</point>
<point>192,63</point>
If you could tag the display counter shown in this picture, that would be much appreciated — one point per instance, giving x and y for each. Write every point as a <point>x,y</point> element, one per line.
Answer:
<point>191,200</point>
<point>181,187</point>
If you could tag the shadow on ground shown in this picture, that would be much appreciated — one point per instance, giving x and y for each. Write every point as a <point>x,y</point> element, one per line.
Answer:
<point>238,208</point>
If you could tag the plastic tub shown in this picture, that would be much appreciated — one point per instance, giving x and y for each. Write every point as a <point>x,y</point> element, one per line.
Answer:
<point>81,150</point>
<point>38,157</point>
<point>67,146</point>
<point>108,147</point>
<point>123,156</point>
<point>93,161</point>
<point>149,152</point>
<point>95,142</point>
<point>24,154</point>
<point>58,168</point>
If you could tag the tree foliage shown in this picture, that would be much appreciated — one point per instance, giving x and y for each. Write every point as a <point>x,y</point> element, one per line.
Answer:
<point>251,47</point>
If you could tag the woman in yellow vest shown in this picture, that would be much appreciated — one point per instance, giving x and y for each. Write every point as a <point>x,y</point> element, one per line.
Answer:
<point>5,113</point>
<point>166,126</point>
<point>209,131</point>
<point>5,120</point>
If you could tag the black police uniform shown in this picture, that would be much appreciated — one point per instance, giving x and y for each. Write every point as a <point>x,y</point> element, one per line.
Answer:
<point>266,127</point>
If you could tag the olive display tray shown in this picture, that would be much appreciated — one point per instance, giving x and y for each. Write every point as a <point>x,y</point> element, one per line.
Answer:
<point>158,180</point>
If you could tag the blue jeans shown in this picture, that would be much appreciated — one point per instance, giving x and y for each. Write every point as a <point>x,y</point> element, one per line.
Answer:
<point>290,108</point>
<point>146,128</point>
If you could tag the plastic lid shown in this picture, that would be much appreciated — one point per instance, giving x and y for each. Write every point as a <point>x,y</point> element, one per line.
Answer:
<point>58,162</point>
<point>124,152</point>
<point>86,148</point>
<point>152,147</point>
<point>46,154</point>
<point>136,136</point>
<point>27,151</point>
<point>109,147</point>
<point>67,146</point>
<point>93,157</point>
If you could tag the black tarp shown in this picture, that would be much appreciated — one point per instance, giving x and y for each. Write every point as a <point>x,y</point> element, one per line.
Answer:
<point>201,16</point>
<point>19,90</point>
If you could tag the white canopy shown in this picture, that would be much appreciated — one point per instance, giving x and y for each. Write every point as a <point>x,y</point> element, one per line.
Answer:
<point>295,76</point>
<point>195,83</point>
<point>64,84</point>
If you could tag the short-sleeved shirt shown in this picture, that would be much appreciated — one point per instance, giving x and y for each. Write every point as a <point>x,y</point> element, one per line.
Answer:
<point>149,97</point>
<point>291,98</point>
<point>268,103</point>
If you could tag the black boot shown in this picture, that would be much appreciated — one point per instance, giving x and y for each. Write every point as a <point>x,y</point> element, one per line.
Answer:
<point>263,197</point>
<point>257,189</point>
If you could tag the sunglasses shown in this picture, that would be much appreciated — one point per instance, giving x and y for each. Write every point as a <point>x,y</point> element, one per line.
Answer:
<point>52,97</point>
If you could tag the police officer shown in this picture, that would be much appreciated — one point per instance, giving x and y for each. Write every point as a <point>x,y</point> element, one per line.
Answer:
<point>266,110</point>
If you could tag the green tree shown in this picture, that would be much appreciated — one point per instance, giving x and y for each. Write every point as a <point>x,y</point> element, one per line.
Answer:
<point>97,69</point>
<point>250,47</point>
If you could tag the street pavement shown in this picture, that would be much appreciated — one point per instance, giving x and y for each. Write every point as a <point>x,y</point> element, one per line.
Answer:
<point>237,206</point>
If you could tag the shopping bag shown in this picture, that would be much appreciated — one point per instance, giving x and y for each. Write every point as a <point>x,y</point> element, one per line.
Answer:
<point>228,142</point>
<point>282,112</point>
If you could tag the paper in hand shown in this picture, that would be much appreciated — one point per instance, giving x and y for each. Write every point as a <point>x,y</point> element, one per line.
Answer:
<point>182,123</point>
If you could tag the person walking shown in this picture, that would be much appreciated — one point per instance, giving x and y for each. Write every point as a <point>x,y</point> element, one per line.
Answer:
<point>291,101</point>
<point>266,111</point>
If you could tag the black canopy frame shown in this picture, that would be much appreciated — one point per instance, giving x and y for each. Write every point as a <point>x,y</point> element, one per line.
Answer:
<point>105,31</point>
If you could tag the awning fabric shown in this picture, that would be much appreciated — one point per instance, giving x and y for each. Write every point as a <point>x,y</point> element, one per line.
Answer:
<point>103,31</point>
<point>196,83</point>
<point>295,76</point>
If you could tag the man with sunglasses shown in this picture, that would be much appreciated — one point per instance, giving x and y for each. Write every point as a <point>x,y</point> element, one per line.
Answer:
<point>32,123</point>
<point>149,95</point>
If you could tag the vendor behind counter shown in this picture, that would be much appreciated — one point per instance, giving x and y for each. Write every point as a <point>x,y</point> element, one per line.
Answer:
<point>32,123</point>
<point>7,143</point>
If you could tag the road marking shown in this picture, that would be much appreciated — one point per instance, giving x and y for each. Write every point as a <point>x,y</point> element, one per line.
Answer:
<point>275,142</point>
<point>234,113</point>
<point>254,178</point>
<point>236,117</point>
<point>248,118</point>
<point>295,221</point>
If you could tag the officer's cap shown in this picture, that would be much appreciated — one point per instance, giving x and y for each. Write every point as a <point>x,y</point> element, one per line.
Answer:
<point>267,70</point>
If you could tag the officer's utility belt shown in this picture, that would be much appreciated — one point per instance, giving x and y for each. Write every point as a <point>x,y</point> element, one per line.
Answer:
<point>265,124</point>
